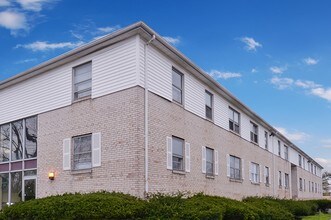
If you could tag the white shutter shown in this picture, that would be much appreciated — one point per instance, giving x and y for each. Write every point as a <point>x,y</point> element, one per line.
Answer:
<point>216,162</point>
<point>66,154</point>
<point>250,170</point>
<point>242,169</point>
<point>203,153</point>
<point>228,165</point>
<point>187,157</point>
<point>96,149</point>
<point>261,172</point>
<point>169,153</point>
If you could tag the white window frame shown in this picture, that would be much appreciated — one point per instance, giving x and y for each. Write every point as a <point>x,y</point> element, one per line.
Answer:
<point>254,133</point>
<point>267,175</point>
<point>232,122</point>
<point>175,71</point>
<point>209,95</point>
<point>182,157</point>
<point>255,172</point>
<point>234,169</point>
<point>285,152</point>
<point>87,152</point>
<point>287,180</point>
<point>266,141</point>
<point>74,91</point>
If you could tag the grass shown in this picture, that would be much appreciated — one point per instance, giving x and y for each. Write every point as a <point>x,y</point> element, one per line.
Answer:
<point>320,216</point>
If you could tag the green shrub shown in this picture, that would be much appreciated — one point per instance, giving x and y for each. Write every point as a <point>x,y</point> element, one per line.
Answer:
<point>323,204</point>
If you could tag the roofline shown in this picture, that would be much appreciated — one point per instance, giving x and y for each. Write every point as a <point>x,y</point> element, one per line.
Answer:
<point>124,33</point>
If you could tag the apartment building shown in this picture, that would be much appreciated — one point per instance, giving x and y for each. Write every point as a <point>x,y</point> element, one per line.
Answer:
<point>130,113</point>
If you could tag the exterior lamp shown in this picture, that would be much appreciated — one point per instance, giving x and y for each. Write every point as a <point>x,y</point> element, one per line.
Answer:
<point>51,175</point>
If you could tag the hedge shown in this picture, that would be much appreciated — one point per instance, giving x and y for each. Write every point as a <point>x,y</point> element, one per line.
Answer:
<point>106,205</point>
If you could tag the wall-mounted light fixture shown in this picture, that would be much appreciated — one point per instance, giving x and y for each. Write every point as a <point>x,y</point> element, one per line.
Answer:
<point>51,175</point>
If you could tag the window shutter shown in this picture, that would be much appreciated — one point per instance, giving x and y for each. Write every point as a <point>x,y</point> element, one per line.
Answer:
<point>96,149</point>
<point>203,149</point>
<point>250,171</point>
<point>66,154</point>
<point>228,165</point>
<point>216,162</point>
<point>169,153</point>
<point>242,168</point>
<point>187,157</point>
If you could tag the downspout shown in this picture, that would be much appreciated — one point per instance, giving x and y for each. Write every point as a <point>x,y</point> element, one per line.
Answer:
<point>273,164</point>
<point>146,112</point>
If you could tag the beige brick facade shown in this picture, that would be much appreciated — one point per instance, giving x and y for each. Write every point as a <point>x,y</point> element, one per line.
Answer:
<point>120,119</point>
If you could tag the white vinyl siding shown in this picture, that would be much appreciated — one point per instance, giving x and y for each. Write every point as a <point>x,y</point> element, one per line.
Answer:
<point>194,96</point>
<point>221,112</point>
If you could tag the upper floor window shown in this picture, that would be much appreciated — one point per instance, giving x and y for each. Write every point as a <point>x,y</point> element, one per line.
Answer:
<point>315,169</point>
<point>177,86</point>
<point>234,120</point>
<point>266,135</point>
<point>209,105</point>
<point>255,172</point>
<point>279,149</point>
<point>303,163</point>
<point>286,152</point>
<point>82,156</point>
<point>82,81</point>
<point>254,132</point>
<point>177,154</point>
<point>235,167</point>
<point>300,160</point>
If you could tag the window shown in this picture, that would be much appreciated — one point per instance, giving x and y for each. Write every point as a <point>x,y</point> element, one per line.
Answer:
<point>300,184</point>
<point>255,172</point>
<point>304,185</point>
<point>177,86</point>
<point>209,161</point>
<point>300,160</point>
<point>17,140</point>
<point>235,167</point>
<point>4,142</point>
<point>177,154</point>
<point>287,181</point>
<point>266,135</point>
<point>209,105</point>
<point>280,179</point>
<point>267,175</point>
<point>279,149</point>
<point>82,157</point>
<point>234,119</point>
<point>303,163</point>
<point>82,81</point>
<point>309,186</point>
<point>315,169</point>
<point>31,137</point>
<point>315,187</point>
<point>285,152</point>
<point>312,186</point>
<point>312,167</point>
<point>254,132</point>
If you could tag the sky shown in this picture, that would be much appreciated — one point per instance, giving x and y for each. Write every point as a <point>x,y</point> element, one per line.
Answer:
<point>272,55</point>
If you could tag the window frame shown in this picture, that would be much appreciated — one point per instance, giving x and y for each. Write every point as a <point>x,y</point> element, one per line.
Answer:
<point>280,179</point>
<point>234,124</point>
<point>287,181</point>
<point>285,152</point>
<point>300,160</point>
<point>255,172</point>
<point>180,157</point>
<point>239,170</point>
<point>209,108</point>
<point>212,163</point>
<point>74,99</point>
<point>300,184</point>
<point>266,141</point>
<point>254,133</point>
<point>267,175</point>
<point>176,71</point>
<point>279,149</point>
<point>87,152</point>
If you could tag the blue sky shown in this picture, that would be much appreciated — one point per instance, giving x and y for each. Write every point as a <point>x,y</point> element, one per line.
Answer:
<point>273,55</point>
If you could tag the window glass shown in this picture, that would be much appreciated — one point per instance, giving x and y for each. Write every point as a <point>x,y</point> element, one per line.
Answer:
<point>266,171</point>
<point>210,161</point>
<point>17,140</point>
<point>82,80</point>
<point>177,79</point>
<point>208,99</point>
<point>177,154</point>
<point>31,137</point>
<point>82,152</point>
<point>287,181</point>
<point>255,172</point>
<point>4,181</point>
<point>4,142</point>
<point>233,120</point>
<point>235,167</point>
<point>16,187</point>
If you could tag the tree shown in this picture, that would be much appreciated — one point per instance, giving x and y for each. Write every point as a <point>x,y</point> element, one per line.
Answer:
<point>325,183</point>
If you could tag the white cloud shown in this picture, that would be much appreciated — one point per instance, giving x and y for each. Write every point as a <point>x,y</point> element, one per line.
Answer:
<point>322,93</point>
<point>306,84</point>
<point>13,21</point>
<point>108,29</point>
<point>310,61</point>
<point>326,163</point>
<point>43,45</point>
<point>26,61</point>
<point>224,75</point>
<point>277,69</point>
<point>282,83</point>
<point>172,40</point>
<point>33,5</point>
<point>4,3</point>
<point>254,70</point>
<point>297,136</point>
<point>251,44</point>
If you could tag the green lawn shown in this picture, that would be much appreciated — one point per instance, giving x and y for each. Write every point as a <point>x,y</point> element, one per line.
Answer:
<point>318,217</point>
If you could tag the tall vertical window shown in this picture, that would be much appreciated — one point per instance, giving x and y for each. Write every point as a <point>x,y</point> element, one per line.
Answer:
<point>235,167</point>
<point>280,179</point>
<point>303,163</point>
<point>17,140</point>
<point>82,81</point>
<point>209,161</point>
<point>254,133</point>
<point>266,135</point>
<point>31,137</point>
<point>177,154</point>
<point>234,119</point>
<point>315,187</point>
<point>300,184</point>
<point>287,181</point>
<point>177,86</point>
<point>4,142</point>
<point>4,182</point>
<point>315,169</point>
<point>312,186</point>
<point>267,175</point>
<point>82,152</point>
<point>209,105</point>
<point>300,160</point>
<point>285,152</point>
<point>309,189</point>
<point>304,185</point>
<point>279,149</point>
<point>311,166</point>
<point>255,172</point>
